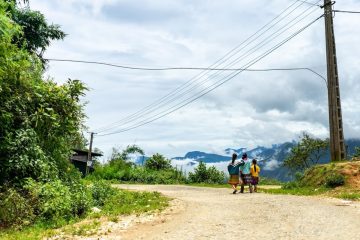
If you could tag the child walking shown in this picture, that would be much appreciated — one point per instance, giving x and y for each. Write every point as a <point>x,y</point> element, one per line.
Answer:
<point>245,173</point>
<point>255,170</point>
<point>233,169</point>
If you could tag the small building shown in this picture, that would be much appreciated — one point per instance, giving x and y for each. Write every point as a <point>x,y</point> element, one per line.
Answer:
<point>80,160</point>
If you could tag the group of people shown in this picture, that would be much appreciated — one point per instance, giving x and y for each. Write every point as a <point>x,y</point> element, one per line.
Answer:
<point>243,172</point>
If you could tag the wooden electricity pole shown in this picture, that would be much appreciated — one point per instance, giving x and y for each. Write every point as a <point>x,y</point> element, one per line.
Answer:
<point>89,158</point>
<point>337,144</point>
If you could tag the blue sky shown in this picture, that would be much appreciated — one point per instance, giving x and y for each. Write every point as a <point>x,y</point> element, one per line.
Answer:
<point>251,109</point>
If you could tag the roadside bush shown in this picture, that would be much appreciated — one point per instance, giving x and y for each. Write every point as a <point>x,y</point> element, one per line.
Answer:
<point>123,172</point>
<point>25,157</point>
<point>297,183</point>
<point>334,180</point>
<point>158,162</point>
<point>357,152</point>
<point>291,185</point>
<point>81,199</point>
<point>215,176</point>
<point>144,175</point>
<point>15,210</point>
<point>101,191</point>
<point>269,181</point>
<point>52,200</point>
<point>116,169</point>
<point>202,174</point>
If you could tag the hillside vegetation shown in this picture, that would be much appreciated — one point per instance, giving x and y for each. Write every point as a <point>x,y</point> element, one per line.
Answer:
<point>340,179</point>
<point>326,174</point>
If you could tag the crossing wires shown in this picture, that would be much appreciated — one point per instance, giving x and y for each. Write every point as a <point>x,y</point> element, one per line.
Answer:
<point>206,81</point>
<point>207,90</point>
<point>288,23</point>
<point>205,76</point>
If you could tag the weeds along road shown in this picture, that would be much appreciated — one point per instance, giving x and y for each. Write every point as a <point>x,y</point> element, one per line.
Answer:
<point>215,213</point>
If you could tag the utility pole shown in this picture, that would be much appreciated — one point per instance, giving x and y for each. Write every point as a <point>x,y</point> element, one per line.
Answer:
<point>337,144</point>
<point>89,158</point>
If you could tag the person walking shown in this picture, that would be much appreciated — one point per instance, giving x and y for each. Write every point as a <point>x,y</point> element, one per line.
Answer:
<point>255,170</point>
<point>233,169</point>
<point>245,173</point>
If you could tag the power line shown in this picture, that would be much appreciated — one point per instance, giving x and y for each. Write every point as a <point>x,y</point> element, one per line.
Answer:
<point>313,4</point>
<point>170,68</point>
<point>213,86</point>
<point>161,106</point>
<point>158,116</point>
<point>222,60</point>
<point>343,11</point>
<point>189,68</point>
<point>142,113</point>
<point>174,98</point>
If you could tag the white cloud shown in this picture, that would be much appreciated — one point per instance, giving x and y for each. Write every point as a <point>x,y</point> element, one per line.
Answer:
<point>271,165</point>
<point>254,108</point>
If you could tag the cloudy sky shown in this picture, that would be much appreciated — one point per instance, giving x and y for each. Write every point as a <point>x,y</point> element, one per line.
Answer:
<point>251,109</point>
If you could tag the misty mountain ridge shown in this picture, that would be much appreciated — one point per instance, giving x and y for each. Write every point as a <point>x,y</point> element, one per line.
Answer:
<point>270,159</point>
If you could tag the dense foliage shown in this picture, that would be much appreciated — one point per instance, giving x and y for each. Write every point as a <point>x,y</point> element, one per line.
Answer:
<point>40,122</point>
<point>357,152</point>
<point>157,169</point>
<point>36,34</point>
<point>306,153</point>
<point>203,174</point>
<point>335,180</point>
<point>158,162</point>
<point>125,154</point>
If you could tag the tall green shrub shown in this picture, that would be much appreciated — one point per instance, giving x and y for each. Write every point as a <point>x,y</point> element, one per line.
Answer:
<point>203,174</point>
<point>157,162</point>
<point>15,210</point>
<point>101,191</point>
<point>40,121</point>
<point>53,200</point>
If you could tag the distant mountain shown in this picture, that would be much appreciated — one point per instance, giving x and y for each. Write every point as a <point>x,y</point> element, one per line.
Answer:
<point>205,157</point>
<point>270,159</point>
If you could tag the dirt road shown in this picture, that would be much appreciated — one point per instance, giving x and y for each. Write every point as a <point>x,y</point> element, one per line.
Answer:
<point>215,213</point>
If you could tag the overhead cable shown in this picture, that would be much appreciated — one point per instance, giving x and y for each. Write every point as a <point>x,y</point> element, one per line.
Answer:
<point>170,99</point>
<point>145,110</point>
<point>189,68</point>
<point>313,4</point>
<point>211,88</point>
<point>223,59</point>
<point>343,11</point>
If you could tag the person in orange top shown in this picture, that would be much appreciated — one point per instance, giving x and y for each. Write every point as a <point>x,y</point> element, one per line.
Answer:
<point>255,170</point>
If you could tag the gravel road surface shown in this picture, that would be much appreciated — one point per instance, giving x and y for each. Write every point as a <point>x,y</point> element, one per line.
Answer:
<point>215,213</point>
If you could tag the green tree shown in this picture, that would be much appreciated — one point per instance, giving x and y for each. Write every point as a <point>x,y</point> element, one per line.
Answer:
<point>357,152</point>
<point>123,156</point>
<point>131,149</point>
<point>158,162</point>
<point>306,153</point>
<point>202,174</point>
<point>36,34</point>
<point>40,121</point>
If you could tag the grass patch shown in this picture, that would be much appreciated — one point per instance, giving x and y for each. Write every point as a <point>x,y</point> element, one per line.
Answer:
<point>269,181</point>
<point>349,196</point>
<point>303,191</point>
<point>121,202</point>
<point>127,202</point>
<point>87,229</point>
<point>34,232</point>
